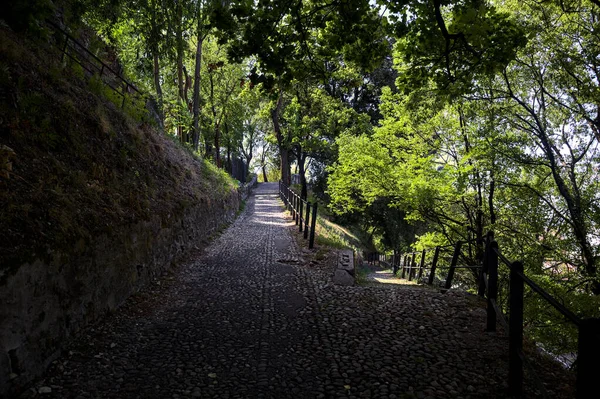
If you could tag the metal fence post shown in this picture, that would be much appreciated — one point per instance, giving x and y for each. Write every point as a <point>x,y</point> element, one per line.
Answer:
<point>311,241</point>
<point>515,328</point>
<point>588,357</point>
<point>434,262</point>
<point>492,294</point>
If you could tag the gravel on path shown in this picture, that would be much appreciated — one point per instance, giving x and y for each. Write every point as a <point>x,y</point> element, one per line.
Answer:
<point>249,318</point>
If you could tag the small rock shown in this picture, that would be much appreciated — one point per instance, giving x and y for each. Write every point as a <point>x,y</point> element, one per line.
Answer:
<point>44,390</point>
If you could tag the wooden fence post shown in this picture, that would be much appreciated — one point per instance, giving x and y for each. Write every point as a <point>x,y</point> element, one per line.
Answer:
<point>492,294</point>
<point>296,207</point>
<point>300,214</point>
<point>311,242</point>
<point>306,220</point>
<point>395,262</point>
<point>404,266</point>
<point>411,268</point>
<point>434,262</point>
<point>515,328</point>
<point>453,264</point>
<point>588,357</point>
<point>421,265</point>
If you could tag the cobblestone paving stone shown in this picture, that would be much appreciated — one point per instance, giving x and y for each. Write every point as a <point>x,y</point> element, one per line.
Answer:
<point>248,319</point>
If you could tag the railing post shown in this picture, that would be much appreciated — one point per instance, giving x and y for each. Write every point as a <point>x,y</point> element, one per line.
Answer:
<point>453,264</point>
<point>395,262</point>
<point>492,294</point>
<point>411,267</point>
<point>311,242</point>
<point>434,262</point>
<point>300,215</point>
<point>515,328</point>
<point>484,264</point>
<point>306,220</point>
<point>421,265</point>
<point>588,357</point>
<point>404,266</point>
<point>295,208</point>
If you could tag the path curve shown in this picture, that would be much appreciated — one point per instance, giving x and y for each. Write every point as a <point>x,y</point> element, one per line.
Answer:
<point>247,319</point>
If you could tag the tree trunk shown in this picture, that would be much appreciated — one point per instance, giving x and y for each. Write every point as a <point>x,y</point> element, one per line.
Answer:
<point>491,199</point>
<point>216,121</point>
<point>574,207</point>
<point>217,146</point>
<point>208,148</point>
<point>179,47</point>
<point>281,142</point>
<point>196,94</point>
<point>228,167</point>
<point>264,172</point>
<point>159,94</point>
<point>186,89</point>
<point>154,37</point>
<point>304,192</point>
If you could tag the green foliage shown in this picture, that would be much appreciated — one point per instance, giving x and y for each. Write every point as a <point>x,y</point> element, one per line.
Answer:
<point>508,146</point>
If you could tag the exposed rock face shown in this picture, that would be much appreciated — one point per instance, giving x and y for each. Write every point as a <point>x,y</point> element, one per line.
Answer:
<point>46,302</point>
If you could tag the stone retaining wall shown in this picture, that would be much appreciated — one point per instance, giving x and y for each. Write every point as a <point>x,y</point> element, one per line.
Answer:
<point>47,302</point>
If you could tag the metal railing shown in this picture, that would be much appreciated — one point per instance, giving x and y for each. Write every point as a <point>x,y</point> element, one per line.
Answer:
<point>303,212</point>
<point>76,51</point>
<point>588,352</point>
<point>414,265</point>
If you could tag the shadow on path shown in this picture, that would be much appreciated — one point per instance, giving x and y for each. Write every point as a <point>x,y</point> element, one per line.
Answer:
<point>247,319</point>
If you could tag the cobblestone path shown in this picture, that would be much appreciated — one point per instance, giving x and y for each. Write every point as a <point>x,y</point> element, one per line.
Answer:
<point>247,319</point>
